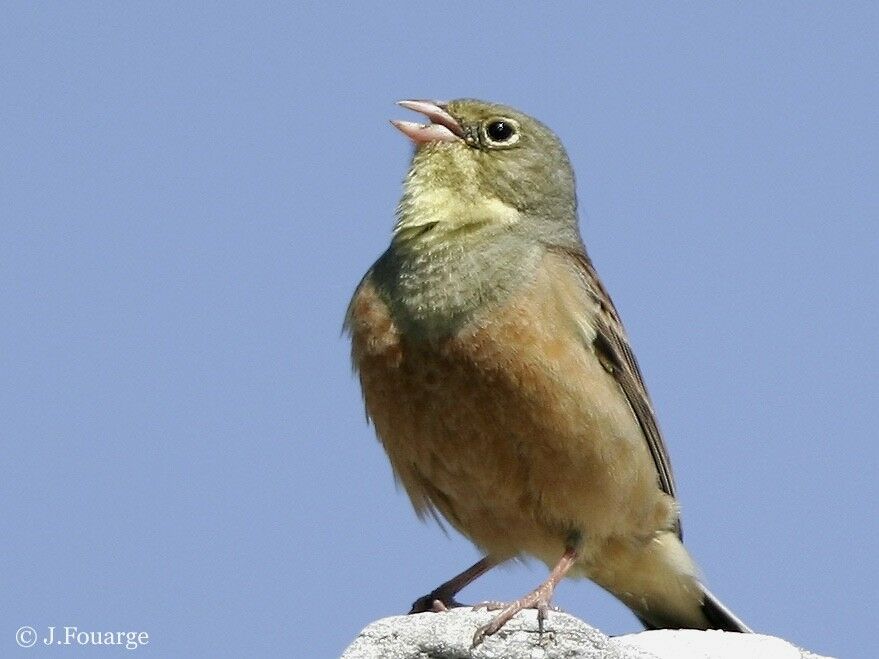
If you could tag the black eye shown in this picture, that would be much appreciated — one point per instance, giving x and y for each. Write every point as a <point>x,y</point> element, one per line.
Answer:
<point>500,130</point>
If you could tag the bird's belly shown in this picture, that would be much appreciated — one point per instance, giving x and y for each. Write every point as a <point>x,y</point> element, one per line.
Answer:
<point>514,432</point>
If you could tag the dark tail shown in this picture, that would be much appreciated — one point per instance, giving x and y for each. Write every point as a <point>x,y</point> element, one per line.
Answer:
<point>719,616</point>
<point>715,614</point>
<point>658,582</point>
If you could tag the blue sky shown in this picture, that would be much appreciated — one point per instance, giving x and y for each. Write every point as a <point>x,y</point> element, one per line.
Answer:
<point>191,192</point>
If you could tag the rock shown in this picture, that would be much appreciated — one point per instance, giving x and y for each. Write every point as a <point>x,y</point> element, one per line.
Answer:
<point>711,644</point>
<point>449,636</point>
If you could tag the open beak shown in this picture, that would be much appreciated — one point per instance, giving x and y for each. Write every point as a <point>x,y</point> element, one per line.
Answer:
<point>443,127</point>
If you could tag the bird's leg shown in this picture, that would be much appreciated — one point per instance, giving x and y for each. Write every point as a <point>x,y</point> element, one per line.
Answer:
<point>442,598</point>
<point>538,598</point>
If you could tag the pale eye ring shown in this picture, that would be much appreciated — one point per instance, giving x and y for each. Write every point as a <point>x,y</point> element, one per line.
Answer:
<point>501,132</point>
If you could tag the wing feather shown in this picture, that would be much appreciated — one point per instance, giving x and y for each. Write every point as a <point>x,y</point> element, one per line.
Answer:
<point>612,347</point>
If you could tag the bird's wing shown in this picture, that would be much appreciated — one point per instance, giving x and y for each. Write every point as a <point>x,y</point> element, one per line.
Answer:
<point>612,347</point>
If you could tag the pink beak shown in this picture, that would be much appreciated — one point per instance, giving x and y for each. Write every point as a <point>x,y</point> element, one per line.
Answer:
<point>443,127</point>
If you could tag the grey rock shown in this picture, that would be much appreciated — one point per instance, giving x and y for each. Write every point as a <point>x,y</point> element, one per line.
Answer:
<point>450,635</point>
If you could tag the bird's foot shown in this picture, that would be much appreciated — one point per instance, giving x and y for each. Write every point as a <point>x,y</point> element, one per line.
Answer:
<point>538,599</point>
<point>491,605</point>
<point>495,605</point>
<point>442,598</point>
<point>434,602</point>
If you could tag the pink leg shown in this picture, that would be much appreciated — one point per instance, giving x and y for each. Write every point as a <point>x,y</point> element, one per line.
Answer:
<point>538,598</point>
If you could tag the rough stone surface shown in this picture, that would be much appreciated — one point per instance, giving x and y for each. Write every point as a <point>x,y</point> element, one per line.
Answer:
<point>449,636</point>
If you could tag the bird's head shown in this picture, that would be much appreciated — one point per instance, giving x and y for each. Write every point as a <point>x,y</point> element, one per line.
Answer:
<point>483,169</point>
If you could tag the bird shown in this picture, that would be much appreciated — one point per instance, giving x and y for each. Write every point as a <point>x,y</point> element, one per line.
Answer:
<point>501,382</point>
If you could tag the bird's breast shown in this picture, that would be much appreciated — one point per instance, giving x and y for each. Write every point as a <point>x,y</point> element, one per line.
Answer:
<point>509,426</point>
<point>434,290</point>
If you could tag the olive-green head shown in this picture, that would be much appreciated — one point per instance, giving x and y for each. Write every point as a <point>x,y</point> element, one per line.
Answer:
<point>481,168</point>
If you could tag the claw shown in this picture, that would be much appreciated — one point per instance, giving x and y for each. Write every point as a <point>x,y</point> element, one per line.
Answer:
<point>539,599</point>
<point>491,605</point>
